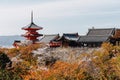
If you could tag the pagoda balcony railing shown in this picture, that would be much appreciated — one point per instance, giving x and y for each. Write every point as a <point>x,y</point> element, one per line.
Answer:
<point>32,35</point>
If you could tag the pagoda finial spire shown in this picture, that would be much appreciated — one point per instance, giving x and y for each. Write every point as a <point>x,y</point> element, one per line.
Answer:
<point>31,16</point>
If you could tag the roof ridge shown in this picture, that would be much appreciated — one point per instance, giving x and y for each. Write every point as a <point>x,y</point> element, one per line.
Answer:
<point>50,34</point>
<point>97,35</point>
<point>71,33</point>
<point>102,28</point>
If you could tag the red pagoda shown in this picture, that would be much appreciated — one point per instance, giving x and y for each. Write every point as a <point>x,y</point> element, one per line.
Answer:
<point>31,29</point>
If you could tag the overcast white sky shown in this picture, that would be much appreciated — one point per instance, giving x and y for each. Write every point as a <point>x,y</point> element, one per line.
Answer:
<point>58,16</point>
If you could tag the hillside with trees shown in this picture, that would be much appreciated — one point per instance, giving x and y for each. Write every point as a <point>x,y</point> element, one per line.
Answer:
<point>39,62</point>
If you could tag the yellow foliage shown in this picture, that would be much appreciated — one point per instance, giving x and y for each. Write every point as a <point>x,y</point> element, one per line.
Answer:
<point>102,64</point>
<point>28,49</point>
<point>63,70</point>
<point>13,52</point>
<point>107,46</point>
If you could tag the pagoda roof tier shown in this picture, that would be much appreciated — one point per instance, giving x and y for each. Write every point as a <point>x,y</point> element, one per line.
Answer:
<point>32,26</point>
<point>32,35</point>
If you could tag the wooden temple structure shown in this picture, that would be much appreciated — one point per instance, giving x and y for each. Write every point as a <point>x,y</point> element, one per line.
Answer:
<point>69,39</point>
<point>31,29</point>
<point>31,35</point>
<point>95,37</point>
<point>51,40</point>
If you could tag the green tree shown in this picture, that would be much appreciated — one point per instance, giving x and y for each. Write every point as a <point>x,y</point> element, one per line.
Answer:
<point>4,60</point>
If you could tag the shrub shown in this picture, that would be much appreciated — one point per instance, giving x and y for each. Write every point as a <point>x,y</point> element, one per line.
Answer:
<point>9,75</point>
<point>4,60</point>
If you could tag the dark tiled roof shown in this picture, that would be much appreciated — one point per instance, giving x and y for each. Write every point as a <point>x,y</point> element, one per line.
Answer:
<point>32,25</point>
<point>98,35</point>
<point>93,39</point>
<point>48,38</point>
<point>71,36</point>
<point>101,32</point>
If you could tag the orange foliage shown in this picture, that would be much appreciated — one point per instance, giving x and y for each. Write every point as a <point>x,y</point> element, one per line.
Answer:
<point>63,70</point>
<point>107,46</point>
<point>99,65</point>
<point>28,49</point>
<point>32,75</point>
<point>13,52</point>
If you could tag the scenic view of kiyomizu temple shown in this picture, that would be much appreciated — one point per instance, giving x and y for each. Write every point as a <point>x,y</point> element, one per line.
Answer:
<point>95,37</point>
<point>60,40</point>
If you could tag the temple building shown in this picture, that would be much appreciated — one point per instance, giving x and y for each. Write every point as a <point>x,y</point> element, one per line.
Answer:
<point>95,37</point>
<point>32,34</point>
<point>69,39</point>
<point>51,40</point>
